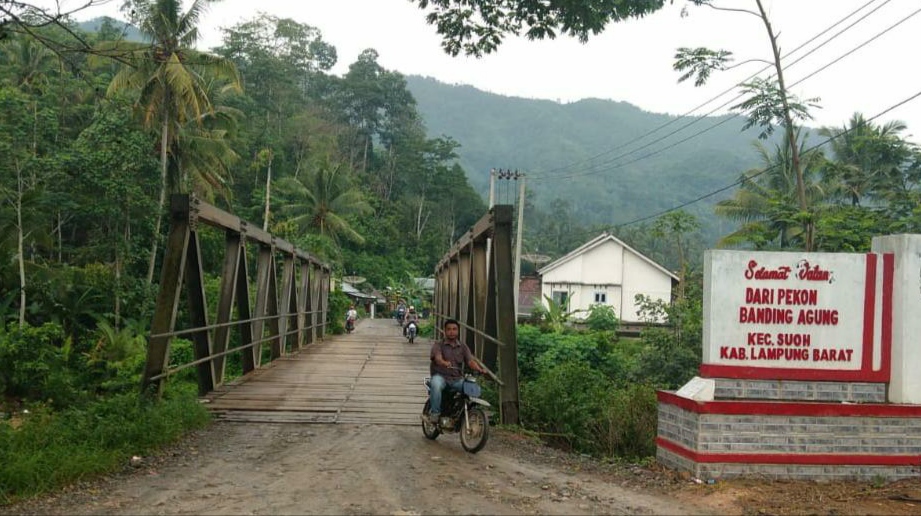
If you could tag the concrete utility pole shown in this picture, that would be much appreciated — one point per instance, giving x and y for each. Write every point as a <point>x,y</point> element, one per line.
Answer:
<point>492,202</point>
<point>511,175</point>
<point>492,187</point>
<point>518,235</point>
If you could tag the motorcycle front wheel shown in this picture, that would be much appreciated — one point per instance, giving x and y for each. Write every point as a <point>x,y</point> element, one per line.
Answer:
<point>431,431</point>
<point>474,430</point>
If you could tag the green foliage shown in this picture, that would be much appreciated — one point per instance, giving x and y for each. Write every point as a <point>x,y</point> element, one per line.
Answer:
<point>564,401</point>
<point>767,105</point>
<point>672,353</point>
<point>627,424</point>
<point>699,63</point>
<point>426,329</point>
<point>335,316</point>
<point>602,318</point>
<point>478,28</point>
<point>118,357</point>
<point>182,351</point>
<point>34,364</point>
<point>53,449</point>
<point>322,201</point>
<point>555,315</point>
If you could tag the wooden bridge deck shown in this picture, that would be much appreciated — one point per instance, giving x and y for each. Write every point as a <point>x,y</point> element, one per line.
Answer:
<point>372,375</point>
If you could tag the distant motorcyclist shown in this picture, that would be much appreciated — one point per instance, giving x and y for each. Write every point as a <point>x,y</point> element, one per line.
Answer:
<point>411,317</point>
<point>350,317</point>
<point>401,312</point>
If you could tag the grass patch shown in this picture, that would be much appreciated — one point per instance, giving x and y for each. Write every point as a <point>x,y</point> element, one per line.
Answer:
<point>49,450</point>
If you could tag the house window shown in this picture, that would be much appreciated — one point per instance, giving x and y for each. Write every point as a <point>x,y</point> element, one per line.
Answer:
<point>560,297</point>
<point>601,297</point>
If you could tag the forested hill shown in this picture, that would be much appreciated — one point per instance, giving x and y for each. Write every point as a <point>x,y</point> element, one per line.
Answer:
<point>592,152</point>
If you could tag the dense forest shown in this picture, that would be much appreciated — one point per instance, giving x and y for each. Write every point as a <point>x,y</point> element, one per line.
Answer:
<point>353,169</point>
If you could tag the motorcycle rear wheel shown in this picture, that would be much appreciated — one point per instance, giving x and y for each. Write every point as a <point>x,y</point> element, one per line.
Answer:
<point>474,430</point>
<point>431,431</point>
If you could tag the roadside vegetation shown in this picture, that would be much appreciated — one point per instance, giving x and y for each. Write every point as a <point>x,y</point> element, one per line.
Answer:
<point>585,389</point>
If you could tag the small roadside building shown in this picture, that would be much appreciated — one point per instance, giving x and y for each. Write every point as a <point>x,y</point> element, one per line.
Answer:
<point>368,301</point>
<point>605,271</point>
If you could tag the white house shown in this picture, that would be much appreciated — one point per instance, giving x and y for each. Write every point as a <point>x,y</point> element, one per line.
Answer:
<point>606,271</point>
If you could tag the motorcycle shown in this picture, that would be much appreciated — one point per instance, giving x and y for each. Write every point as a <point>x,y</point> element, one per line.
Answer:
<point>349,325</point>
<point>462,412</point>
<point>400,315</point>
<point>411,331</point>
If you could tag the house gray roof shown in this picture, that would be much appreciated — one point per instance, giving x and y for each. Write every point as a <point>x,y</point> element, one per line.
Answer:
<point>351,291</point>
<point>595,242</point>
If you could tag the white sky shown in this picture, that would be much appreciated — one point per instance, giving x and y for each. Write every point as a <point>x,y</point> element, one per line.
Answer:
<point>632,60</point>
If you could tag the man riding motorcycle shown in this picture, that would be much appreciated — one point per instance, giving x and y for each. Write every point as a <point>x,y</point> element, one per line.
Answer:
<point>448,357</point>
<point>411,317</point>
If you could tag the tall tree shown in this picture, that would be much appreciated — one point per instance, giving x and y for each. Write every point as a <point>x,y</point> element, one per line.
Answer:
<point>676,226</point>
<point>279,60</point>
<point>167,76</point>
<point>19,187</point>
<point>865,156</point>
<point>768,101</point>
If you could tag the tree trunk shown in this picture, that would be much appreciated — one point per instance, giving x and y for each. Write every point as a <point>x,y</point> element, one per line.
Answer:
<point>364,159</point>
<point>683,270</point>
<point>268,197</point>
<point>790,130</point>
<point>420,223</point>
<point>60,231</point>
<point>118,282</point>
<point>164,146</point>
<point>20,251</point>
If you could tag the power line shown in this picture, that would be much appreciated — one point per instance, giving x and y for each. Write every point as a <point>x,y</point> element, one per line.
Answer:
<point>612,227</point>
<point>767,169</point>
<point>594,170</point>
<point>730,89</point>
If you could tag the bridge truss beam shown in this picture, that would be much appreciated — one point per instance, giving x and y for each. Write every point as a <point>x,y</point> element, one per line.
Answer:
<point>285,320</point>
<point>474,284</point>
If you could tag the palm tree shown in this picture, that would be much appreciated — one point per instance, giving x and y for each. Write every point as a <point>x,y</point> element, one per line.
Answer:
<point>30,60</point>
<point>767,203</point>
<point>168,78</point>
<point>203,150</point>
<point>322,200</point>
<point>866,157</point>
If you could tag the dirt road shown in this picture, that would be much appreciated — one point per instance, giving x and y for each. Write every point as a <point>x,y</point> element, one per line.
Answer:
<point>244,468</point>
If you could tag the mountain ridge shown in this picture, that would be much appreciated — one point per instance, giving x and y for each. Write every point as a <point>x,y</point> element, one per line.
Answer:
<point>615,161</point>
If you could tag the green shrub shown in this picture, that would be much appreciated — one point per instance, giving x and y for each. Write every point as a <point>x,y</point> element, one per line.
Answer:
<point>34,364</point>
<point>427,329</point>
<point>117,358</point>
<point>335,315</point>
<point>564,402</point>
<point>627,426</point>
<point>602,318</point>
<point>181,352</point>
<point>539,350</point>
